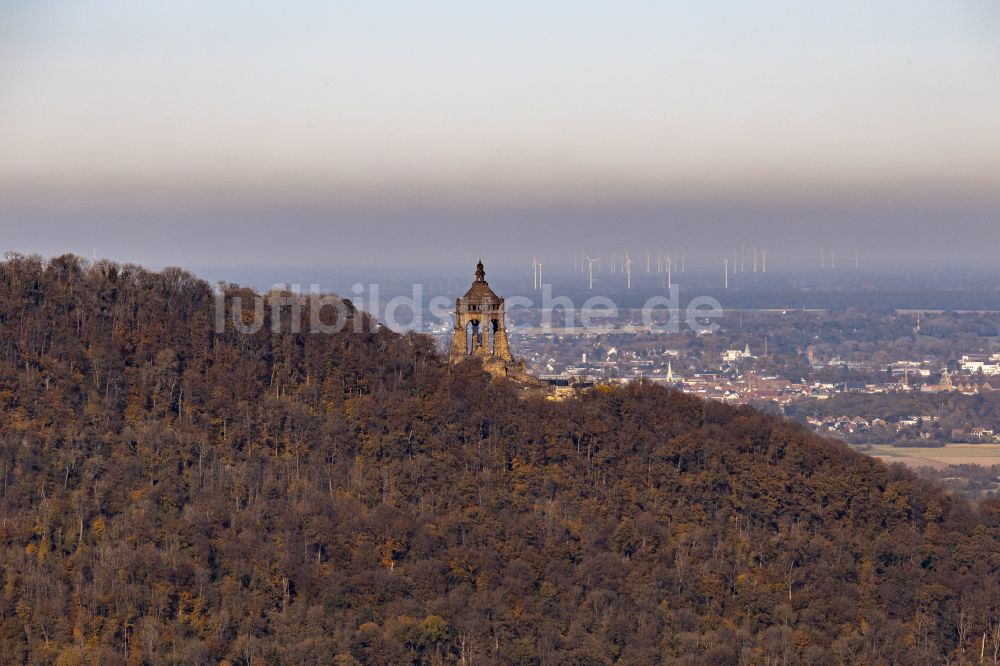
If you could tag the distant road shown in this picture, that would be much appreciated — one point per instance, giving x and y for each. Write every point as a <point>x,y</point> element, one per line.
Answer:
<point>937,312</point>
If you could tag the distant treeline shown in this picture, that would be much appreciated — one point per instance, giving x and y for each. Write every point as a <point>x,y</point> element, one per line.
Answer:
<point>945,413</point>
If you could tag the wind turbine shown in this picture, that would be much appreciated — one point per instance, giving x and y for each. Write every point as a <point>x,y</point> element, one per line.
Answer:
<point>763,260</point>
<point>628,268</point>
<point>669,271</point>
<point>725,271</point>
<point>590,270</point>
<point>534,273</point>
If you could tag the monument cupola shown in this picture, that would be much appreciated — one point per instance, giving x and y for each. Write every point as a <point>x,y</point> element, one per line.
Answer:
<point>480,329</point>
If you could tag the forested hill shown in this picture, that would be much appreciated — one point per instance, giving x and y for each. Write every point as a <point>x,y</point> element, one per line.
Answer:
<point>173,495</point>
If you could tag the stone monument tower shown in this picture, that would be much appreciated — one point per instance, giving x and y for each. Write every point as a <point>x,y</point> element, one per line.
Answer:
<point>479,323</point>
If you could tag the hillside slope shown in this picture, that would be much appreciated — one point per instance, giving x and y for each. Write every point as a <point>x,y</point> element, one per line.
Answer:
<point>170,495</point>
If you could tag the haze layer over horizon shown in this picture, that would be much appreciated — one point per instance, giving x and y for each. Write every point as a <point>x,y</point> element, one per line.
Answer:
<point>244,133</point>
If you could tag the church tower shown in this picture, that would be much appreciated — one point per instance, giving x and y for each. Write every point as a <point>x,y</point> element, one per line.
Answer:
<point>480,329</point>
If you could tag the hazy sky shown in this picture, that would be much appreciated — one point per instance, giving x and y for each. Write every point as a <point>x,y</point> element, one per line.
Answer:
<point>245,132</point>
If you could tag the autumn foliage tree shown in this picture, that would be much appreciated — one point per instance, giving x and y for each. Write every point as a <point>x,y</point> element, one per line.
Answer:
<point>173,494</point>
